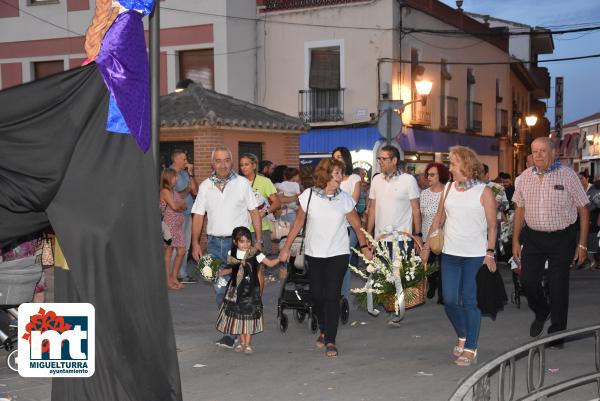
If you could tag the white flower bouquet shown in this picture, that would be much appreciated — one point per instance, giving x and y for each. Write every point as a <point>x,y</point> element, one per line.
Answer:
<point>208,267</point>
<point>382,273</point>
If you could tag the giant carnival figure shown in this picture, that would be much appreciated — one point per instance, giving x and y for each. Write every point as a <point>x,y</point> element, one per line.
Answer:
<point>73,157</point>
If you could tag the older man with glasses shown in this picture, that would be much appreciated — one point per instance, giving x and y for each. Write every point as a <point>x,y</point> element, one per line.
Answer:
<point>226,198</point>
<point>394,202</point>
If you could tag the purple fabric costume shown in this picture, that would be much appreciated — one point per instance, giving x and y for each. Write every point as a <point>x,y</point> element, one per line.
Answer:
<point>123,63</point>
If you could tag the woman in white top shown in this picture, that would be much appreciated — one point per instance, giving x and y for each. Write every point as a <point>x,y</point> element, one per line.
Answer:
<point>469,212</point>
<point>326,245</point>
<point>288,192</point>
<point>437,176</point>
<point>351,185</point>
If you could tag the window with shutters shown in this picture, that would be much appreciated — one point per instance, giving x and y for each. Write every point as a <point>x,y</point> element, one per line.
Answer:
<point>43,69</point>
<point>199,66</point>
<point>324,98</point>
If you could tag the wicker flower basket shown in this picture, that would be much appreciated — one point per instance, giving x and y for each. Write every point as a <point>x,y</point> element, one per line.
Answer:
<point>413,297</point>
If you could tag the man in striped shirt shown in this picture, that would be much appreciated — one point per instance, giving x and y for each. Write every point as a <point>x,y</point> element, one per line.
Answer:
<point>548,198</point>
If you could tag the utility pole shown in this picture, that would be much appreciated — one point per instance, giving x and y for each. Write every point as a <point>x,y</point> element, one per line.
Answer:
<point>155,83</point>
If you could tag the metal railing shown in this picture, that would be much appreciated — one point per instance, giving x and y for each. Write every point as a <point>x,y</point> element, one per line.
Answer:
<point>321,105</point>
<point>421,114</point>
<point>273,5</point>
<point>501,122</point>
<point>478,386</point>
<point>475,113</point>
<point>451,113</point>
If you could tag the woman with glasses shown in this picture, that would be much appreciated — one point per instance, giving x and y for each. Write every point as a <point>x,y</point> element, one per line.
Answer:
<point>266,196</point>
<point>437,176</point>
<point>351,185</point>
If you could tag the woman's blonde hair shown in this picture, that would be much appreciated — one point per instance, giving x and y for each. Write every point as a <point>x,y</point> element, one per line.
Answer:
<point>165,178</point>
<point>103,18</point>
<point>472,168</point>
<point>324,170</point>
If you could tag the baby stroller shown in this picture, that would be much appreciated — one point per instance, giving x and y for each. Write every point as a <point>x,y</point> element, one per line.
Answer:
<point>18,279</point>
<point>295,295</point>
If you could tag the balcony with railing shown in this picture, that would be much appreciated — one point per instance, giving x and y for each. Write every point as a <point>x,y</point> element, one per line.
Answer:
<point>501,122</point>
<point>450,117</point>
<point>542,80</point>
<point>474,116</point>
<point>275,5</point>
<point>421,114</point>
<point>321,105</point>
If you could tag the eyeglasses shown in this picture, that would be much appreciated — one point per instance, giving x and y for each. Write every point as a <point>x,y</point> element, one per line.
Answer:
<point>431,174</point>
<point>384,158</point>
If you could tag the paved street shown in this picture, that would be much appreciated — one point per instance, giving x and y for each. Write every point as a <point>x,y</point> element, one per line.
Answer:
<point>376,362</point>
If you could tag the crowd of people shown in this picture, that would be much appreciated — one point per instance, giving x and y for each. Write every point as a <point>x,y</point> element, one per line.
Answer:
<point>546,213</point>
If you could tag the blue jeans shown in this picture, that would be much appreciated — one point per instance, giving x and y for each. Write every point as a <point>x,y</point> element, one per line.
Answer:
<point>218,247</point>
<point>353,261</point>
<point>460,296</point>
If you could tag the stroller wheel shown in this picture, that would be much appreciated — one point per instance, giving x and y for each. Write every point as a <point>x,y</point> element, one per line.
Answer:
<point>283,323</point>
<point>299,315</point>
<point>12,360</point>
<point>313,324</point>
<point>344,310</point>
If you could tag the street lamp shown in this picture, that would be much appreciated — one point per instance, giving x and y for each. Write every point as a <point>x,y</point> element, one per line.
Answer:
<point>423,87</point>
<point>531,120</point>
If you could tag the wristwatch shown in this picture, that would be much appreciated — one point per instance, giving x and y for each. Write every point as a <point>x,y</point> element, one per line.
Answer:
<point>260,241</point>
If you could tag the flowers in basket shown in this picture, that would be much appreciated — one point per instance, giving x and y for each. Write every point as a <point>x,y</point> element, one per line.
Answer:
<point>390,278</point>
<point>208,268</point>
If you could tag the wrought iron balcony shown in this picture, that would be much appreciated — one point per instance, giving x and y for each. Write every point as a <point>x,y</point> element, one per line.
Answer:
<point>542,80</point>
<point>321,105</point>
<point>274,5</point>
<point>450,117</point>
<point>474,113</point>
<point>501,122</point>
<point>421,114</point>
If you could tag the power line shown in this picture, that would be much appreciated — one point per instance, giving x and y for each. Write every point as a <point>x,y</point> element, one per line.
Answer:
<point>589,56</point>
<point>500,32</point>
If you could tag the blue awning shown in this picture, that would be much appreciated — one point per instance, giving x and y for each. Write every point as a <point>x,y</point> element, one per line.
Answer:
<point>321,140</point>
<point>325,140</point>
<point>439,141</point>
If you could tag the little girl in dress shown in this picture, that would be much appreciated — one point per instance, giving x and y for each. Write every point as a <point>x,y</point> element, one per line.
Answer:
<point>241,311</point>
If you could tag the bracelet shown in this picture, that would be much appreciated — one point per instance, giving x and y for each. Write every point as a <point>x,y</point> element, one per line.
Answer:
<point>490,256</point>
<point>419,235</point>
<point>364,246</point>
<point>582,247</point>
<point>490,250</point>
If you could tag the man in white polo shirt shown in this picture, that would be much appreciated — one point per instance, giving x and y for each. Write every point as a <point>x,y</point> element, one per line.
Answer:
<point>394,200</point>
<point>226,198</point>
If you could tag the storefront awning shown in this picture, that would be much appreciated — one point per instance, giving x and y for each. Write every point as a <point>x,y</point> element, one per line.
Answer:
<point>419,140</point>
<point>323,140</point>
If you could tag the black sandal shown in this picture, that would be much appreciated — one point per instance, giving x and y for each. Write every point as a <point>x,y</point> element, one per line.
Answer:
<point>331,351</point>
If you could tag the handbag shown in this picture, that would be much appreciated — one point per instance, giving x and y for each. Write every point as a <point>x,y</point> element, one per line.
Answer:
<point>436,238</point>
<point>47,256</point>
<point>299,262</point>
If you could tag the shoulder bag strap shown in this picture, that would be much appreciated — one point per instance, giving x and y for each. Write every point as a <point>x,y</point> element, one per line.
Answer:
<point>305,220</point>
<point>443,202</point>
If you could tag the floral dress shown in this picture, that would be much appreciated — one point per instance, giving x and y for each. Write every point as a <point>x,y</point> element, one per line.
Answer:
<point>429,203</point>
<point>174,220</point>
<point>241,311</point>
